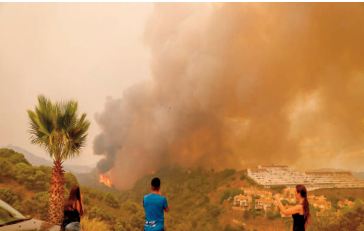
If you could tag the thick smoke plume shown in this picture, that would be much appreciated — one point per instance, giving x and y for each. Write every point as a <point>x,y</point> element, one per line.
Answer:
<point>235,85</point>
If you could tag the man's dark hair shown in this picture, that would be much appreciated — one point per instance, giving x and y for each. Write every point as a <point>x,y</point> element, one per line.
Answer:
<point>156,183</point>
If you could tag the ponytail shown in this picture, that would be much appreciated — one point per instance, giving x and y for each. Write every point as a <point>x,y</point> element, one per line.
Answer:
<point>306,209</point>
<point>301,189</point>
<point>74,199</point>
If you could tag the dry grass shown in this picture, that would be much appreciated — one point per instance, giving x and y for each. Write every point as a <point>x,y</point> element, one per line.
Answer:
<point>93,225</point>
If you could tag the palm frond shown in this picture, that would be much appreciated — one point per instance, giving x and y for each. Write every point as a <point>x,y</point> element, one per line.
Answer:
<point>57,128</point>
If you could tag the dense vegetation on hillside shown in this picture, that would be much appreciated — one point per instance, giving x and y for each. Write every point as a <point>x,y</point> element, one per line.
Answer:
<point>24,186</point>
<point>188,193</point>
<point>198,199</point>
<point>334,195</point>
<point>349,220</point>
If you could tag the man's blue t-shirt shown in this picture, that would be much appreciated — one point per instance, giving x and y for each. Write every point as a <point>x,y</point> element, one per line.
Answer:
<point>154,205</point>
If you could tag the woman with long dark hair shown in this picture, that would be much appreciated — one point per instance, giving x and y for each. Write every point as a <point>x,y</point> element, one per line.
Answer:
<point>73,211</point>
<point>300,212</point>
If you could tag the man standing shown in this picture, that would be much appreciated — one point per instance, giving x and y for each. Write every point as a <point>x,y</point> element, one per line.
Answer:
<point>154,207</point>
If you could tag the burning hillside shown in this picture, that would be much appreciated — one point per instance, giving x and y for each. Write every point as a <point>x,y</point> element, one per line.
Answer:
<point>103,179</point>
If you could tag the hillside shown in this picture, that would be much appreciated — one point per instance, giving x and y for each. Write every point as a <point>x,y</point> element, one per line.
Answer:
<point>38,161</point>
<point>360,175</point>
<point>200,200</point>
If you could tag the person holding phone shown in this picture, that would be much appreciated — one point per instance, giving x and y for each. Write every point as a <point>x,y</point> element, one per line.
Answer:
<point>300,212</point>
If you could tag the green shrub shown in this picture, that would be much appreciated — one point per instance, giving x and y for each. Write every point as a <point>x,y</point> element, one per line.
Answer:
<point>37,205</point>
<point>131,207</point>
<point>111,201</point>
<point>93,225</point>
<point>12,156</point>
<point>6,169</point>
<point>272,215</point>
<point>351,220</point>
<point>39,181</point>
<point>99,213</point>
<point>9,196</point>
<point>230,193</point>
<point>70,179</point>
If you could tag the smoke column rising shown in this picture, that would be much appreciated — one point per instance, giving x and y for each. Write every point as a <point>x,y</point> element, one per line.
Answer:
<point>235,85</point>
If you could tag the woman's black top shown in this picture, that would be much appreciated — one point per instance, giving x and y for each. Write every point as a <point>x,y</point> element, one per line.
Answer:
<point>298,222</point>
<point>70,215</point>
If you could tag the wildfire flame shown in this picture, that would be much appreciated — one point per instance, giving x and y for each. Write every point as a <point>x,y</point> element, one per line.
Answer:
<point>103,179</point>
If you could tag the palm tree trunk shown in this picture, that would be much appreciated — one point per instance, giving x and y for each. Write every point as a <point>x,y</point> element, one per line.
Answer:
<point>56,194</point>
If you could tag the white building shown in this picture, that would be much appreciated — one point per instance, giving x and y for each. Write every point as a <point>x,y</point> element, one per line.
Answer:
<point>278,175</point>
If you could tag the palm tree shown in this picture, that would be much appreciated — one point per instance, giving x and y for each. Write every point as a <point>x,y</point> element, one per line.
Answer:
<point>57,128</point>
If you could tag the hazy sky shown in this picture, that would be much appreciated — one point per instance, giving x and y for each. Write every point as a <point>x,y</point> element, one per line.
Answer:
<point>85,52</point>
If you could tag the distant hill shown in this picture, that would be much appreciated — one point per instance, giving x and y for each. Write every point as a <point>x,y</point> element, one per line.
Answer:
<point>330,170</point>
<point>359,175</point>
<point>37,161</point>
